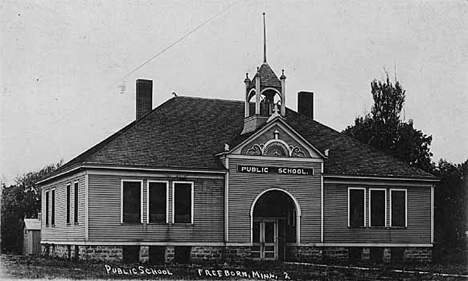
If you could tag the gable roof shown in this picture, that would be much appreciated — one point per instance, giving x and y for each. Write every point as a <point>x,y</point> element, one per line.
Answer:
<point>187,132</point>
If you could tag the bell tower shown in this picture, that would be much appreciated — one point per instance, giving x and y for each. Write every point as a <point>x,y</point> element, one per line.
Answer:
<point>264,94</point>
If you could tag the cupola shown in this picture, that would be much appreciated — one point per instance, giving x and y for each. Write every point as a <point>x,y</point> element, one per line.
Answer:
<point>265,91</point>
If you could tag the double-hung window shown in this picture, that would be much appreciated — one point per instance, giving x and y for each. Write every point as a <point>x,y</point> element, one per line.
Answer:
<point>131,204</point>
<point>75,220</point>
<point>182,202</point>
<point>68,202</point>
<point>356,207</point>
<point>377,207</point>
<point>398,199</point>
<point>47,208</point>
<point>157,201</point>
<point>52,219</point>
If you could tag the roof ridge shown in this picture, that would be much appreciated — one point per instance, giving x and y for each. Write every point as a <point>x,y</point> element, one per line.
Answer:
<point>202,98</point>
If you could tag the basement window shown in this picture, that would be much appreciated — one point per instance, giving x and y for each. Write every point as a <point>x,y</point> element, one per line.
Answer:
<point>183,202</point>
<point>182,254</point>
<point>157,198</point>
<point>157,255</point>
<point>131,201</point>
<point>130,254</point>
<point>378,207</point>
<point>398,208</point>
<point>356,207</point>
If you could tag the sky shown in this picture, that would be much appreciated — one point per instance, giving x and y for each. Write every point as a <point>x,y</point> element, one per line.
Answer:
<point>68,68</point>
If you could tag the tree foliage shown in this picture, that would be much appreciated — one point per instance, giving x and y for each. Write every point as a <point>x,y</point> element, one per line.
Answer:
<point>450,211</point>
<point>383,128</point>
<point>20,200</point>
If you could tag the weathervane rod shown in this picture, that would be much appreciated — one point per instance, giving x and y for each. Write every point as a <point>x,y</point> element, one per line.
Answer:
<point>264,39</point>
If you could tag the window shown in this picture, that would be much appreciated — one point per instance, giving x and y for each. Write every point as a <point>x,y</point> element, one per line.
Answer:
<point>398,207</point>
<point>183,202</point>
<point>131,202</point>
<point>76,203</point>
<point>378,207</point>
<point>356,207</point>
<point>52,219</point>
<point>157,202</point>
<point>130,254</point>
<point>47,208</point>
<point>68,203</point>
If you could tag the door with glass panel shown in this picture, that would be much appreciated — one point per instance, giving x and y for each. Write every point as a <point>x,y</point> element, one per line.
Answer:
<point>265,239</point>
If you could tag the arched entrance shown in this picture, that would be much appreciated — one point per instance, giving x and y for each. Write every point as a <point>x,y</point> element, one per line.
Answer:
<point>275,217</point>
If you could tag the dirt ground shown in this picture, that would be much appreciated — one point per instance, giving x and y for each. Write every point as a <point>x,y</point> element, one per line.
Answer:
<point>26,268</point>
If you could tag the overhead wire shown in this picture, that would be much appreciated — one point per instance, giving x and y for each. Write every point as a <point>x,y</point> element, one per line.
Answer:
<point>69,113</point>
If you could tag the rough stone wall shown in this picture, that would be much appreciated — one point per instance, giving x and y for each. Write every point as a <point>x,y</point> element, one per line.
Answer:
<point>170,254</point>
<point>101,253</point>
<point>238,254</point>
<point>207,253</point>
<point>144,254</point>
<point>335,254</point>
<point>387,255</point>
<point>418,255</point>
<point>365,254</point>
<point>304,254</point>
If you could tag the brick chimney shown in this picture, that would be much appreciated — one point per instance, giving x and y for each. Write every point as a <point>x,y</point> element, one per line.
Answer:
<point>144,97</point>
<point>305,104</point>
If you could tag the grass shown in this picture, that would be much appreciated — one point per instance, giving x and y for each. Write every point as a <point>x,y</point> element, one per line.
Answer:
<point>21,267</point>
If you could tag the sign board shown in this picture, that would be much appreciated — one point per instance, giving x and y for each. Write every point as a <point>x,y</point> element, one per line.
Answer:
<point>297,171</point>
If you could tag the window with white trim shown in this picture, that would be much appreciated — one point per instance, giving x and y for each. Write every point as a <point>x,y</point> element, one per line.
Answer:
<point>157,202</point>
<point>183,202</point>
<point>131,201</point>
<point>356,207</point>
<point>47,208</point>
<point>52,217</point>
<point>398,207</point>
<point>378,207</point>
<point>75,219</point>
<point>68,202</point>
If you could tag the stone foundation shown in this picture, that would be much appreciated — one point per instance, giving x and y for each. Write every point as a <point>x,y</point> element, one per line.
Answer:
<point>418,255</point>
<point>338,254</point>
<point>170,254</point>
<point>304,254</point>
<point>239,254</point>
<point>144,254</point>
<point>206,253</point>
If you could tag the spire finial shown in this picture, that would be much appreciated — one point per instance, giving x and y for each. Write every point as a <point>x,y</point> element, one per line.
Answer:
<point>264,39</point>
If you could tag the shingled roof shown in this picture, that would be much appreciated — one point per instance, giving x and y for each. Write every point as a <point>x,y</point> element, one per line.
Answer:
<point>186,133</point>
<point>267,76</point>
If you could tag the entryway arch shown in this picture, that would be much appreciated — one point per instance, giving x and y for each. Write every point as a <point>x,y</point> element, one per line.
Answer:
<point>275,217</point>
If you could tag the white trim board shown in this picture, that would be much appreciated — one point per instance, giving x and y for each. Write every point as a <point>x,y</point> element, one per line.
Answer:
<point>332,178</point>
<point>121,198</point>
<point>364,207</point>
<point>261,157</point>
<point>94,166</point>
<point>192,215</point>
<point>406,205</point>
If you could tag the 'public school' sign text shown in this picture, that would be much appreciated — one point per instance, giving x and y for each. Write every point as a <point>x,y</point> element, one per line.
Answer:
<point>275,170</point>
